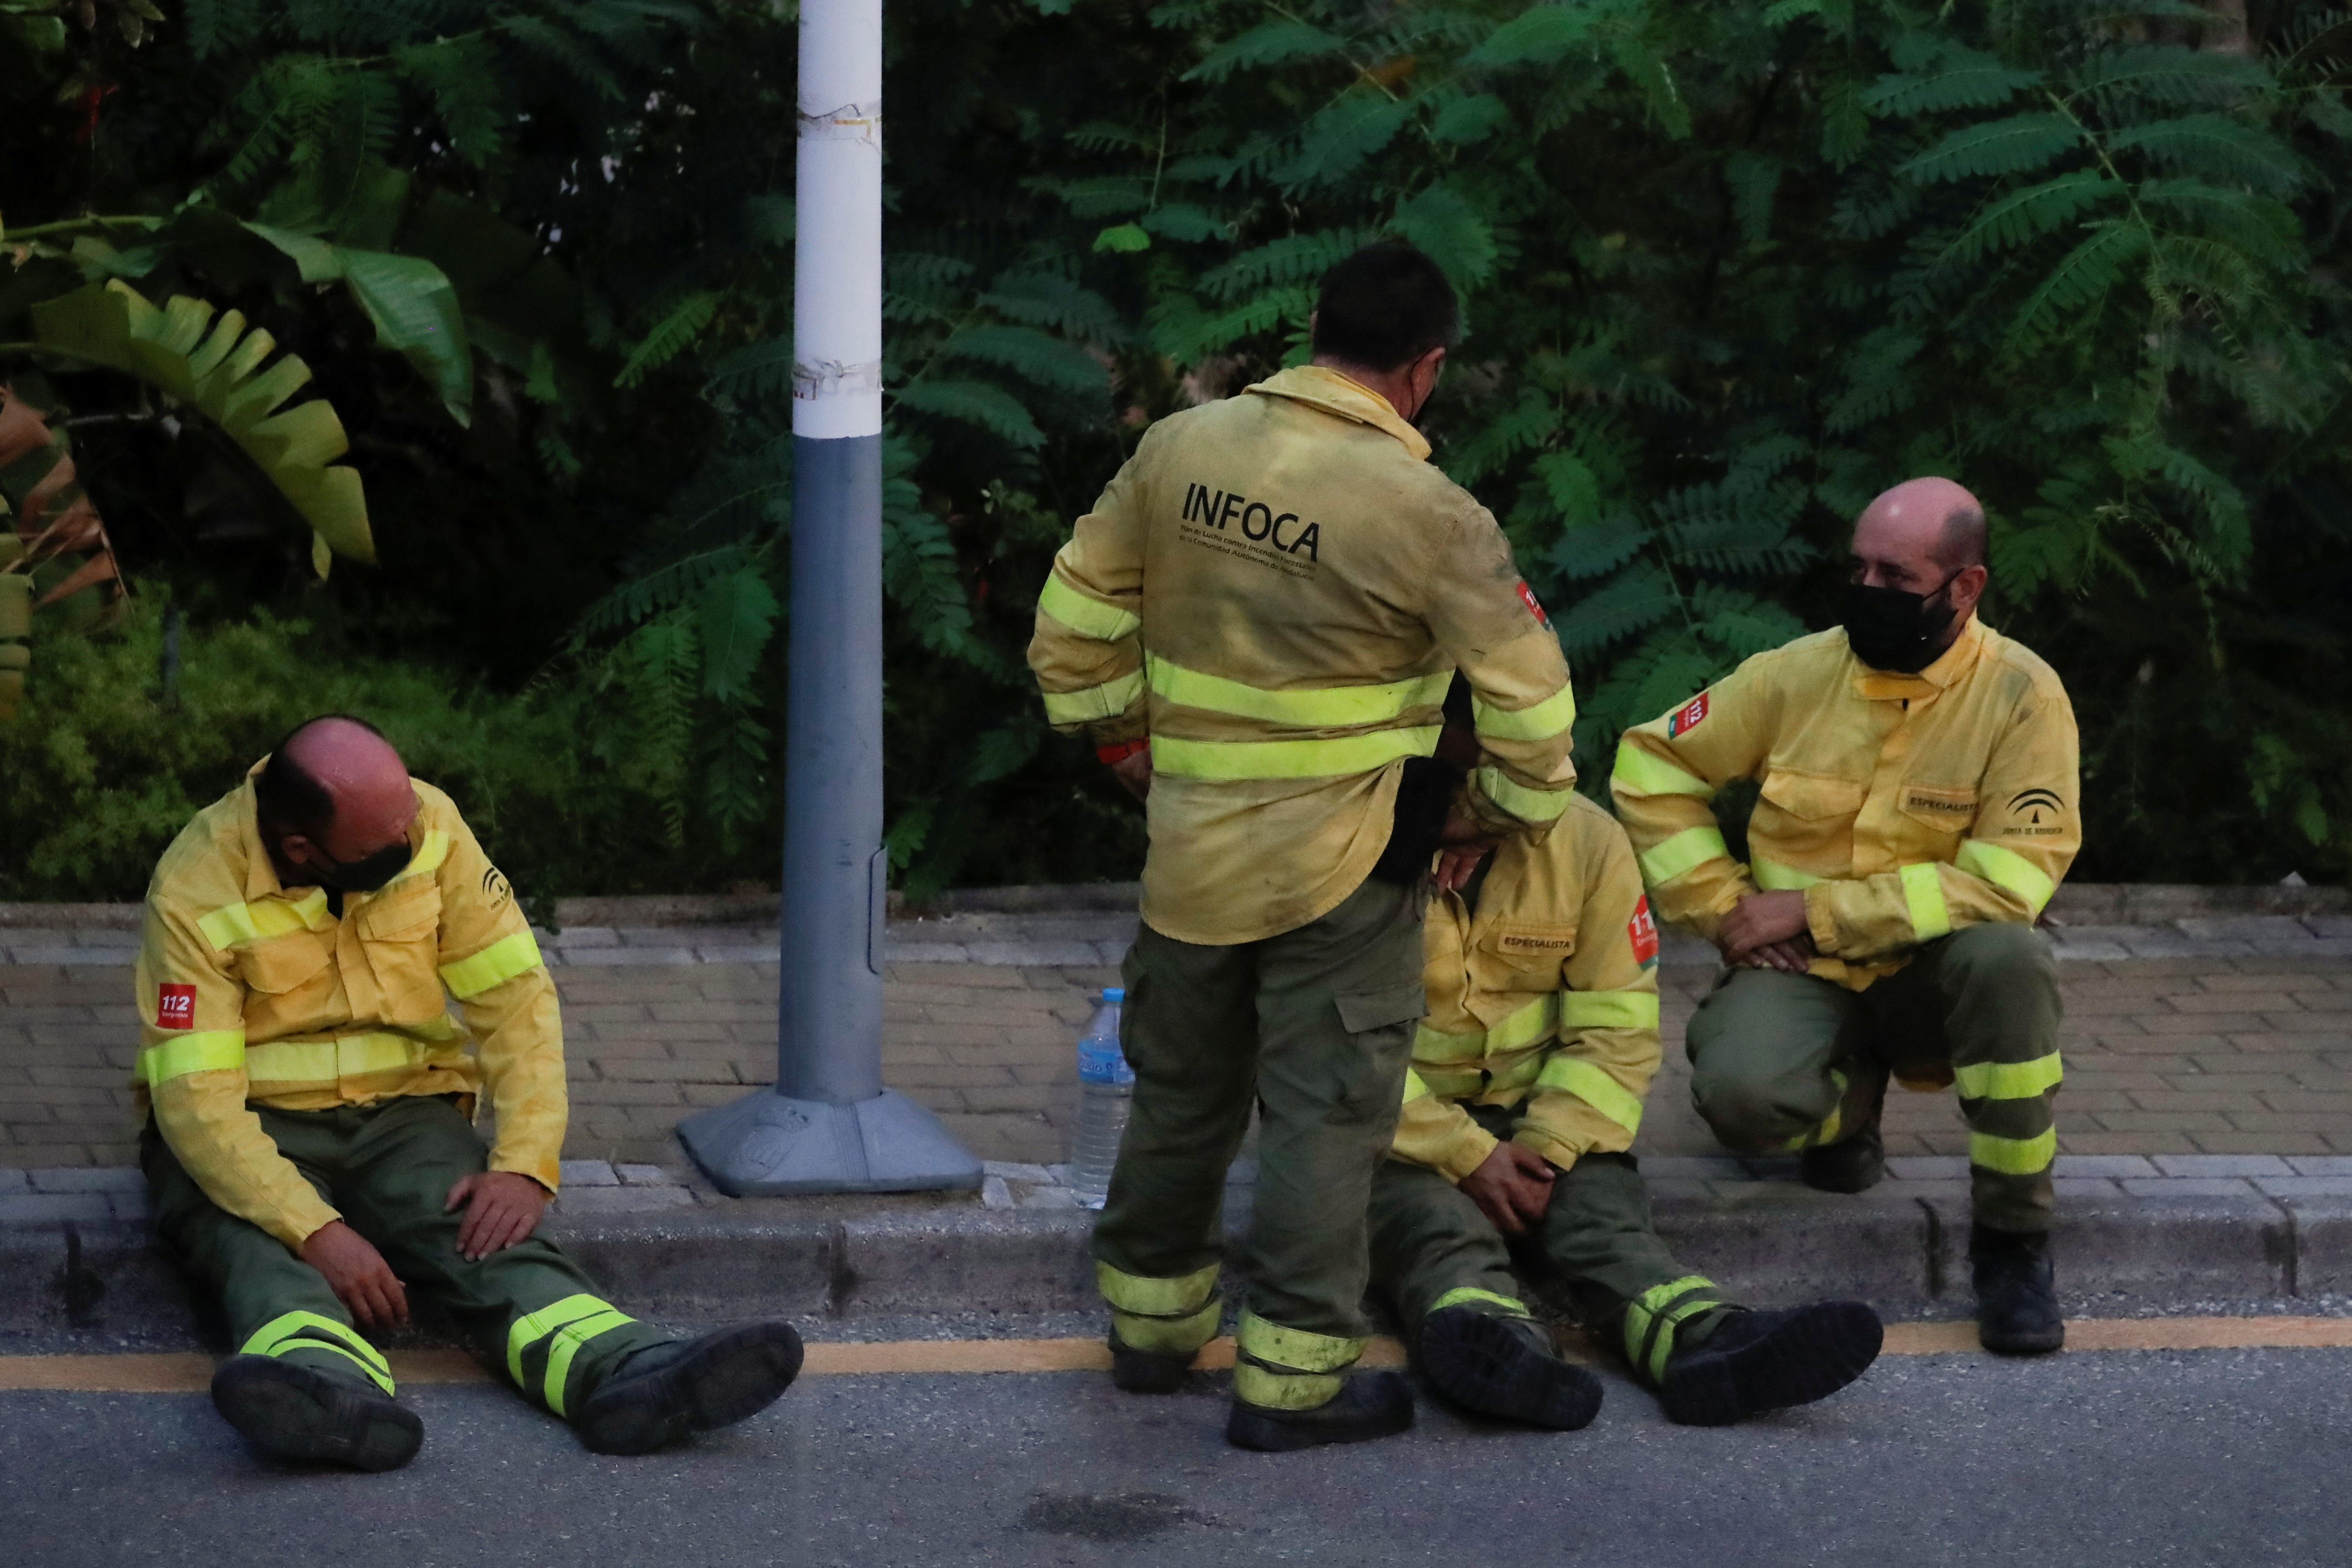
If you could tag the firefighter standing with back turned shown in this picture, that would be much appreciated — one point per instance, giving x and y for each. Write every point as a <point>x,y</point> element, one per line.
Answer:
<point>1921,800</point>
<point>1525,1091</point>
<point>1257,623</point>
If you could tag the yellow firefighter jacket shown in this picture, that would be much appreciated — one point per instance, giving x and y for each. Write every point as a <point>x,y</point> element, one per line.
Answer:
<point>1904,805</point>
<point>252,995</point>
<point>1275,588</point>
<point>1546,993</point>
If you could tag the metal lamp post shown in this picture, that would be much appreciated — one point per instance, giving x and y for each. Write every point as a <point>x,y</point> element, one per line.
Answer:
<point>828,1125</point>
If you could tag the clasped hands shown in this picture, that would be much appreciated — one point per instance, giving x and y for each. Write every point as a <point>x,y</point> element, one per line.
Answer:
<point>1768,930</point>
<point>502,1207</point>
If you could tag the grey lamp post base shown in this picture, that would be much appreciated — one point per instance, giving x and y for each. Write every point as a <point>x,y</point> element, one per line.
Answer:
<point>766,1145</point>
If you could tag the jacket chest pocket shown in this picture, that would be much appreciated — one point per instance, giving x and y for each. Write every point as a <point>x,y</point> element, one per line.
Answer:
<point>279,966</point>
<point>1947,809</point>
<point>1806,813</point>
<point>1529,952</point>
<point>400,931</point>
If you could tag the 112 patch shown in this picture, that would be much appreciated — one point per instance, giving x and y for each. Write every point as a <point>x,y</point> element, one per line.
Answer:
<point>175,1007</point>
<point>1642,930</point>
<point>1688,717</point>
<point>1534,604</point>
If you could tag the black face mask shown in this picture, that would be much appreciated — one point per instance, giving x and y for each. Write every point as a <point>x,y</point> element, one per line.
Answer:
<point>366,874</point>
<point>1891,629</point>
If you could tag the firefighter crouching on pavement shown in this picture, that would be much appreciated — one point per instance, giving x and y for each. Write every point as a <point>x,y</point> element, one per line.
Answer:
<point>1275,590</point>
<point>1920,803</point>
<point>311,1144</point>
<point>1526,1091</point>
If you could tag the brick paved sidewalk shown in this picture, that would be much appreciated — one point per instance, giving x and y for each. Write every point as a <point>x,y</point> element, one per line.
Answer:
<point>2202,1037</point>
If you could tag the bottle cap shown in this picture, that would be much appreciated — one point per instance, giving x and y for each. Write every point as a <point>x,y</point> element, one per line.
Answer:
<point>1114,993</point>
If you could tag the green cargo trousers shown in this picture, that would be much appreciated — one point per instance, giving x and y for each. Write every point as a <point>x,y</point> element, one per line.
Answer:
<point>389,1167</point>
<point>1786,1062</point>
<point>1432,1247</point>
<point>1315,1025</point>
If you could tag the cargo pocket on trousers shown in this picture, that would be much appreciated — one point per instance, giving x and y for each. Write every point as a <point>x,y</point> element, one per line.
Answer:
<point>1380,1025</point>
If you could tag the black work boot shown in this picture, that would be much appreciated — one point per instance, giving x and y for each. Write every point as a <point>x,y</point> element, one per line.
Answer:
<point>1146,1371</point>
<point>2017,1299</point>
<point>1505,1367</point>
<point>663,1392</point>
<point>1768,1361</point>
<point>1369,1405</point>
<point>303,1413</point>
<point>1854,1163</point>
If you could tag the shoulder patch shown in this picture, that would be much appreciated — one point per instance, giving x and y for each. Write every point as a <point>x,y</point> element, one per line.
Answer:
<point>175,1006</point>
<point>1534,604</point>
<point>1642,930</point>
<point>1688,717</point>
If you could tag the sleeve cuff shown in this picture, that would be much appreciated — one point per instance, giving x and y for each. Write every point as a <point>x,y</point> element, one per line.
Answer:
<point>546,1172</point>
<point>1557,1153</point>
<point>1820,919</point>
<point>1466,1153</point>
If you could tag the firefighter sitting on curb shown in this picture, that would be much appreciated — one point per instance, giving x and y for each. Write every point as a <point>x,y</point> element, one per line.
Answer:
<point>1526,1090</point>
<point>1920,803</point>
<point>311,1143</point>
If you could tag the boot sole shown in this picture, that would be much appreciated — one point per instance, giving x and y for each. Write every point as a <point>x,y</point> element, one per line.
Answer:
<point>2023,1344</point>
<point>298,1412</point>
<point>1283,1432</point>
<point>1809,1357</point>
<point>1478,1362</point>
<point>717,1383</point>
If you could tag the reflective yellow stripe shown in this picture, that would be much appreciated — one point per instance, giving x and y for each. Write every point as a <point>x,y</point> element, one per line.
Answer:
<point>1169,1336</point>
<point>2009,1081</point>
<point>1414,1089</point>
<point>1518,1074</point>
<point>1923,895</point>
<point>1226,760</point>
<point>1775,877</point>
<point>1536,1022</point>
<point>1540,722</point>
<point>528,1330</point>
<point>1646,772</point>
<point>1285,1390</point>
<point>1436,1045</point>
<point>204,1050</point>
<point>1686,851</point>
<point>1322,708</point>
<point>2013,1156</point>
<point>1451,1085</point>
<point>326,1061</point>
<point>1087,617</point>
<point>1462,1293</point>
<point>1832,1125</point>
<point>233,924</point>
<point>1297,1349</point>
<point>309,1332</point>
<point>513,955</point>
<point>2007,868</point>
<point>1526,805</point>
<point>568,1340</point>
<point>1608,1010</point>
<point>1108,700</point>
<point>1651,1319</point>
<point>1590,1084</point>
<point>428,857</point>
<point>1173,1297</point>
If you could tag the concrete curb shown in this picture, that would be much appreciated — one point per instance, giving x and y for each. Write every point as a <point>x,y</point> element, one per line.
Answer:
<point>104,1282</point>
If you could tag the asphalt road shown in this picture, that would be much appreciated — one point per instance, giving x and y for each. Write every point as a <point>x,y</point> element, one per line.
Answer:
<point>2130,1459</point>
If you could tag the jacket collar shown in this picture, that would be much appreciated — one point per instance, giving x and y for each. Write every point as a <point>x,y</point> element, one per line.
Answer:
<point>1342,398</point>
<point>1886,686</point>
<point>260,877</point>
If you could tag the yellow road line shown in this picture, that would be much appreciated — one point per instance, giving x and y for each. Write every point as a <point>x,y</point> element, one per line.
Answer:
<point>187,1372</point>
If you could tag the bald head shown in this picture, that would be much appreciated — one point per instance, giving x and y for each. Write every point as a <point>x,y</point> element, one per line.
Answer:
<point>1931,523</point>
<point>334,793</point>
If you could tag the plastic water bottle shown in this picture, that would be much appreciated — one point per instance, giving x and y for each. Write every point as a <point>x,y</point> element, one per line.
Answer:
<point>1105,1085</point>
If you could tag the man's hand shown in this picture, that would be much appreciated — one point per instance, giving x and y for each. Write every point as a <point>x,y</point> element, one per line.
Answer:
<point>1512,1188</point>
<point>356,1272</point>
<point>501,1207</point>
<point>1135,772</point>
<point>1464,842</point>
<point>1768,930</point>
